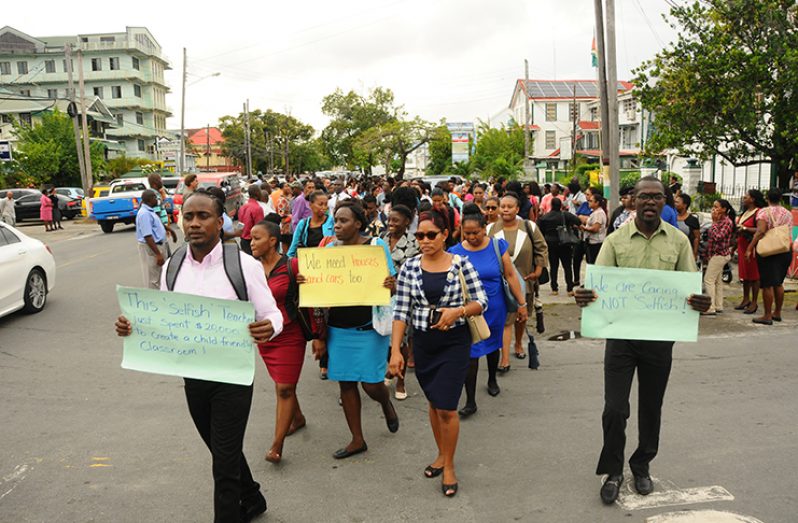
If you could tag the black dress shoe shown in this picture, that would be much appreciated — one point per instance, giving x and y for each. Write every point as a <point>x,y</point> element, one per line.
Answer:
<point>467,411</point>
<point>643,485</point>
<point>393,424</point>
<point>610,489</point>
<point>344,453</point>
<point>253,508</point>
<point>493,389</point>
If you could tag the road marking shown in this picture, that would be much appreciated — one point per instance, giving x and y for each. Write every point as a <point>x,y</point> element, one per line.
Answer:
<point>100,465</point>
<point>16,477</point>
<point>701,516</point>
<point>667,494</point>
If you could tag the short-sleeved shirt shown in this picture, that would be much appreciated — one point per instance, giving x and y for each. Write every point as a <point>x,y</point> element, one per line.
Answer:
<point>774,216</point>
<point>667,249</point>
<point>148,223</point>
<point>600,217</point>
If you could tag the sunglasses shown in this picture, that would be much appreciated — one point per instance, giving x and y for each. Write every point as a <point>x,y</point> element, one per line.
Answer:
<point>491,207</point>
<point>428,235</point>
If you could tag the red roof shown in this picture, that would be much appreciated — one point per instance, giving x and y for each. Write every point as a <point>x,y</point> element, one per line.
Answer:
<point>555,154</point>
<point>587,125</point>
<point>199,136</point>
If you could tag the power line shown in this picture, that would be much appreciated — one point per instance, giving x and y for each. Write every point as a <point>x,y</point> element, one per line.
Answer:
<point>648,22</point>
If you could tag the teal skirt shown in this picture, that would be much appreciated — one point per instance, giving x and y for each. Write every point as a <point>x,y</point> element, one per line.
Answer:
<point>357,355</point>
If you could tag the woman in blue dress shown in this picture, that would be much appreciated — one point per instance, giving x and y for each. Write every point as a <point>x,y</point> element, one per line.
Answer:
<point>357,353</point>
<point>480,251</point>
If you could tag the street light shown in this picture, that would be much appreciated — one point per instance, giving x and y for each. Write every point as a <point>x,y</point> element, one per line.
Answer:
<point>182,165</point>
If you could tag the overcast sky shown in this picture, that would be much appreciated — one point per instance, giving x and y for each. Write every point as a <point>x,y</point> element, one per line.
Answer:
<point>453,59</point>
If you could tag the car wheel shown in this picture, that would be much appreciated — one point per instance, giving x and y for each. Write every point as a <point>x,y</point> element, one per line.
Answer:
<point>107,226</point>
<point>35,292</point>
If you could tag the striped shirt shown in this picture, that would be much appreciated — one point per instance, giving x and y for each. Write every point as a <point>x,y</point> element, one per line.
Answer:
<point>411,302</point>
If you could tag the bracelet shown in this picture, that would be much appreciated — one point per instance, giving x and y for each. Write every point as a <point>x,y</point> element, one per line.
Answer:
<point>522,305</point>
<point>464,311</point>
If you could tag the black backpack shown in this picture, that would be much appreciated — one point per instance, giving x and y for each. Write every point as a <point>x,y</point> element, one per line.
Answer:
<point>232,267</point>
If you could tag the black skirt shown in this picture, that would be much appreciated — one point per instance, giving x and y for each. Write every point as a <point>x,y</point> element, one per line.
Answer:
<point>773,269</point>
<point>442,359</point>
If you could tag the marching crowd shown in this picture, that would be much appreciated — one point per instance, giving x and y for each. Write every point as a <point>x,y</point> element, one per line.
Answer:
<point>467,263</point>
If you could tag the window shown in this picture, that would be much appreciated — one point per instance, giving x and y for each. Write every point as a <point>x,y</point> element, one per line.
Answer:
<point>107,39</point>
<point>629,105</point>
<point>593,114</point>
<point>5,67</point>
<point>84,39</point>
<point>120,120</point>
<point>136,64</point>
<point>551,112</point>
<point>551,139</point>
<point>49,66</point>
<point>22,67</point>
<point>141,145</point>
<point>98,92</point>
<point>137,90</point>
<point>573,111</point>
<point>140,118</point>
<point>25,119</point>
<point>96,64</point>
<point>8,236</point>
<point>116,91</point>
<point>4,118</point>
<point>24,92</point>
<point>66,66</point>
<point>52,94</point>
<point>113,63</point>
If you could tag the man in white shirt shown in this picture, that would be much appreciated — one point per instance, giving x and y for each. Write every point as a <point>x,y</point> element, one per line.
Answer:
<point>338,194</point>
<point>221,410</point>
<point>8,214</point>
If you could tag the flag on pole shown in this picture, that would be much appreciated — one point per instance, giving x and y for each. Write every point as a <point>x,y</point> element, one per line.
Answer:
<point>594,53</point>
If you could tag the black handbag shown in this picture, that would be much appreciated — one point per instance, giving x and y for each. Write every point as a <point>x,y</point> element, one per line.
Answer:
<point>565,234</point>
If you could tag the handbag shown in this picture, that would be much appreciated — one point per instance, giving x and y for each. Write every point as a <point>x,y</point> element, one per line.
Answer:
<point>566,235</point>
<point>509,299</point>
<point>476,324</point>
<point>777,240</point>
<point>543,279</point>
<point>382,317</point>
<point>294,313</point>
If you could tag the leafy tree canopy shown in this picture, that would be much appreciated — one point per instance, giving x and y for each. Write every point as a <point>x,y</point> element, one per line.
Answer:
<point>727,85</point>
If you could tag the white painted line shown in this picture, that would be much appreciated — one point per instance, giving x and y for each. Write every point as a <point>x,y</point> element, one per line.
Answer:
<point>702,516</point>
<point>674,497</point>
<point>16,476</point>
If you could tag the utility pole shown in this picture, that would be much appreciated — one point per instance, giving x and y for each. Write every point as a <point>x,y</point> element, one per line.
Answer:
<point>85,124</point>
<point>527,139</point>
<point>603,98</point>
<point>182,158</point>
<point>612,91</point>
<point>574,116</point>
<point>71,96</point>
<point>208,147</point>
<point>247,141</point>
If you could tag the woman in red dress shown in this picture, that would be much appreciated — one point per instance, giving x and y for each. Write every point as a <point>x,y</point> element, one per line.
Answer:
<point>748,270</point>
<point>284,354</point>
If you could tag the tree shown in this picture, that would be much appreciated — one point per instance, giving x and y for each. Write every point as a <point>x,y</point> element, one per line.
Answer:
<point>122,164</point>
<point>46,152</point>
<point>440,151</point>
<point>352,115</point>
<point>727,86</point>
<point>394,140</point>
<point>499,152</point>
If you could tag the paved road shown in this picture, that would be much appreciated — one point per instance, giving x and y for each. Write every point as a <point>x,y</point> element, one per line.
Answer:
<point>86,441</point>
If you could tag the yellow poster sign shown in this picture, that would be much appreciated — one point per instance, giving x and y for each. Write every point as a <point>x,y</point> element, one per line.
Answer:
<point>343,276</point>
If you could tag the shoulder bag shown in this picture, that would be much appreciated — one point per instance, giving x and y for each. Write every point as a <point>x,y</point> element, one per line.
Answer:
<point>509,299</point>
<point>775,241</point>
<point>565,234</point>
<point>543,279</point>
<point>476,324</point>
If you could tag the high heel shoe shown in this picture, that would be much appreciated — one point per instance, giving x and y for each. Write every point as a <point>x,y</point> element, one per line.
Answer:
<point>432,472</point>
<point>743,306</point>
<point>449,490</point>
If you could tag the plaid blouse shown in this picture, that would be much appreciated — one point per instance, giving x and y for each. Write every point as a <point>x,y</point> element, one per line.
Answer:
<point>412,304</point>
<point>720,238</point>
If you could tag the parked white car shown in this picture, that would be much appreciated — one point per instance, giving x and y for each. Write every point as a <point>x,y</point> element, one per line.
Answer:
<point>27,272</point>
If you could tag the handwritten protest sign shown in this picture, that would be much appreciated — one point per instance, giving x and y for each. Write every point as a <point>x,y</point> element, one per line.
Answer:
<point>343,276</point>
<point>641,304</point>
<point>186,335</point>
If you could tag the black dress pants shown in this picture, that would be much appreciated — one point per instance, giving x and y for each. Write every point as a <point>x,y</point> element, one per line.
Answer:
<point>220,412</point>
<point>652,359</point>
<point>580,250</point>
<point>561,254</point>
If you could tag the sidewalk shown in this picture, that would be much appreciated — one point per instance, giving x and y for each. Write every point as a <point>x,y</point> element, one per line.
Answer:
<point>77,228</point>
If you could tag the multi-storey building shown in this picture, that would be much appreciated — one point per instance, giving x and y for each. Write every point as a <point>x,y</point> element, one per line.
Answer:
<point>125,70</point>
<point>555,105</point>
<point>206,143</point>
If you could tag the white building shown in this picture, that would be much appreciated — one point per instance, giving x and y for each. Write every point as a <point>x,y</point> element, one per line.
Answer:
<point>124,69</point>
<point>634,125</point>
<point>555,106</point>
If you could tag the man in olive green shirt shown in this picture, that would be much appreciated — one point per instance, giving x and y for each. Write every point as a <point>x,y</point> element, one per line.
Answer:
<point>645,243</point>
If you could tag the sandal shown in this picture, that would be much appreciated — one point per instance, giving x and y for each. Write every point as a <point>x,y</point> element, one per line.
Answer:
<point>751,311</point>
<point>432,472</point>
<point>503,370</point>
<point>449,490</point>
<point>520,355</point>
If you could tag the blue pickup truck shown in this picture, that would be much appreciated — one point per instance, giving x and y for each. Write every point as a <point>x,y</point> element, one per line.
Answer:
<point>121,204</point>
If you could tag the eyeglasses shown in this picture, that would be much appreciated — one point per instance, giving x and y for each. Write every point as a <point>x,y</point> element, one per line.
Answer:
<point>646,197</point>
<point>428,235</point>
<point>490,208</point>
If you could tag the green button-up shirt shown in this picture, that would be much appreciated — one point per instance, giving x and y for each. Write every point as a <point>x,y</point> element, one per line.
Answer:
<point>668,249</point>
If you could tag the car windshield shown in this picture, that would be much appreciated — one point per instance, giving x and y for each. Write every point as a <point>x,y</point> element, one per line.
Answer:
<point>128,187</point>
<point>207,184</point>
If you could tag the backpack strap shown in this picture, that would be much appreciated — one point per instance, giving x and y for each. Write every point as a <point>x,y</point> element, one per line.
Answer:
<point>495,243</point>
<point>174,265</point>
<point>232,267</point>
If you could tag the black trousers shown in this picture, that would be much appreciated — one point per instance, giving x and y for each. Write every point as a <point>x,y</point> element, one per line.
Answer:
<point>592,252</point>
<point>220,412</point>
<point>559,253</point>
<point>652,359</point>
